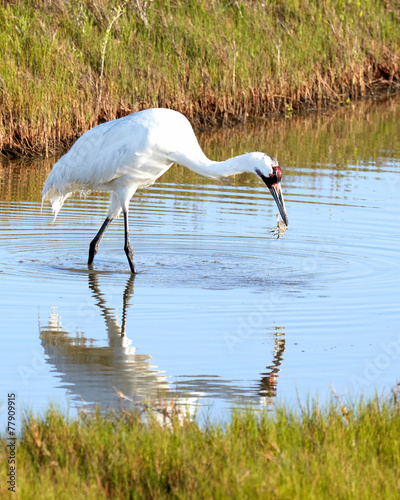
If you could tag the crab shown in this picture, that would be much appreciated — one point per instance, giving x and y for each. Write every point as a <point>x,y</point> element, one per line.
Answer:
<point>280,229</point>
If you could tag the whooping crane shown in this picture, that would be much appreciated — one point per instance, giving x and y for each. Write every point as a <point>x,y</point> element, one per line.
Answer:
<point>123,155</point>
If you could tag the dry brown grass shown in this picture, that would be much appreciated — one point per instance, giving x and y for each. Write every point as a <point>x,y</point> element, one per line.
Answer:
<point>67,66</point>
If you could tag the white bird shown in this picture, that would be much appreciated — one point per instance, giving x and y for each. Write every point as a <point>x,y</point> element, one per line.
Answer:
<point>123,155</point>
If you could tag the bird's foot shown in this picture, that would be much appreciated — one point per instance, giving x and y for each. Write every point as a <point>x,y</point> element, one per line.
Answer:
<point>129,255</point>
<point>93,248</point>
<point>132,266</point>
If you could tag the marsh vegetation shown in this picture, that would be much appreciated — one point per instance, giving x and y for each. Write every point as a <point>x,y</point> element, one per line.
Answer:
<point>335,451</point>
<point>66,66</point>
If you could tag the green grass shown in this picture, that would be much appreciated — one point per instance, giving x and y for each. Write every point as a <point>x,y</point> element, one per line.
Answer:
<point>308,453</point>
<point>65,66</point>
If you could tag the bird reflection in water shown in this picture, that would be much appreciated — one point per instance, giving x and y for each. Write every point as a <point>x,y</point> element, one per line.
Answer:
<point>269,381</point>
<point>95,373</point>
<point>115,332</point>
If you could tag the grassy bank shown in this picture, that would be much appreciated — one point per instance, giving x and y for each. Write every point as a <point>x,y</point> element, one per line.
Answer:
<point>333,136</point>
<point>331,452</point>
<point>65,66</point>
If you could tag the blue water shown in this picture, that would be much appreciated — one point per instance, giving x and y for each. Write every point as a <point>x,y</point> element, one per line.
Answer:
<point>219,314</point>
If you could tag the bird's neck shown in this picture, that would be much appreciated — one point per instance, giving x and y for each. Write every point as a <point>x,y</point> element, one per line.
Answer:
<point>215,169</point>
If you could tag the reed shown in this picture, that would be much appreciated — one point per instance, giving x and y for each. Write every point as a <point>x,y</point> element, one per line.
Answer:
<point>66,66</point>
<point>334,451</point>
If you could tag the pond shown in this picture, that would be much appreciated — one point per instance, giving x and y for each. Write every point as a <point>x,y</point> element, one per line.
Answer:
<point>220,314</point>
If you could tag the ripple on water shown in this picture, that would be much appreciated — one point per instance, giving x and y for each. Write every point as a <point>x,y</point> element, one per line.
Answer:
<point>183,248</point>
<point>320,303</point>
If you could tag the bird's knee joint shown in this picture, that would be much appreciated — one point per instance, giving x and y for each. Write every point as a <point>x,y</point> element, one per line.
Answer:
<point>129,249</point>
<point>93,247</point>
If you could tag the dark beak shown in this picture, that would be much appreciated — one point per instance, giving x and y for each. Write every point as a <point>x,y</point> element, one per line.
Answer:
<point>276,192</point>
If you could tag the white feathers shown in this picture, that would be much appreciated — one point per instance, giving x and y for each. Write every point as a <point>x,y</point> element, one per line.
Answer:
<point>56,200</point>
<point>123,155</point>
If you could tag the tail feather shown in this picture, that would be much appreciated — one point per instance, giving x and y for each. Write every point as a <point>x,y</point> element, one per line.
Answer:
<point>56,199</point>
<point>58,186</point>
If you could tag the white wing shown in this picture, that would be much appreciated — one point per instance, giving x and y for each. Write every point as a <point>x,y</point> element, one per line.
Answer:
<point>122,155</point>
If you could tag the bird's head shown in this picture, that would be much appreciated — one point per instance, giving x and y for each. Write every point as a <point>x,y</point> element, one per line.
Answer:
<point>269,171</point>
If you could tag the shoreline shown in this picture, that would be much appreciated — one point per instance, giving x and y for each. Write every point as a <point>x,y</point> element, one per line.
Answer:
<point>66,67</point>
<point>315,452</point>
<point>207,123</point>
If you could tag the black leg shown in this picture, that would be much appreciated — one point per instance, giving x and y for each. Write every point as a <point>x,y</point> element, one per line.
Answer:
<point>94,245</point>
<point>128,292</point>
<point>128,247</point>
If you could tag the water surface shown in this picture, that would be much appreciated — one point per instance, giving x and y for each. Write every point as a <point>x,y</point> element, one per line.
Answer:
<point>219,314</point>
